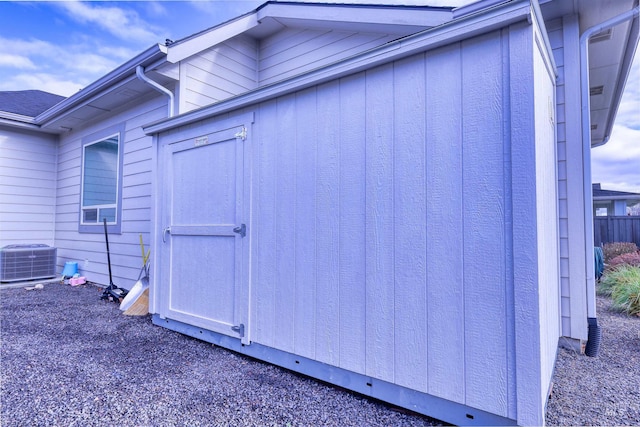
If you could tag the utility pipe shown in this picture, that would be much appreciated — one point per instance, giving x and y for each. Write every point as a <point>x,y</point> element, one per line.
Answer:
<point>593,341</point>
<point>142,76</point>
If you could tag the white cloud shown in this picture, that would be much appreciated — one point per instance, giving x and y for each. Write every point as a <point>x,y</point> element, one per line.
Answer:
<point>125,24</point>
<point>16,61</point>
<point>61,69</point>
<point>617,163</point>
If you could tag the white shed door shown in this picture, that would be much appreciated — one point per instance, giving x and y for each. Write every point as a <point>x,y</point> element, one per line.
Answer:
<point>204,244</point>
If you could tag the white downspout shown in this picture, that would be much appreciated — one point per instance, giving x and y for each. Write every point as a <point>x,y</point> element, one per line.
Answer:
<point>142,76</point>
<point>594,330</point>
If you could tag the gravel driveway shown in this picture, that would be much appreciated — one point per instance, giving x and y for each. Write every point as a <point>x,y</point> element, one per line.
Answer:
<point>68,358</point>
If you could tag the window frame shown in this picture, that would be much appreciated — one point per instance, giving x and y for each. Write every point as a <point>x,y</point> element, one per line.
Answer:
<point>94,138</point>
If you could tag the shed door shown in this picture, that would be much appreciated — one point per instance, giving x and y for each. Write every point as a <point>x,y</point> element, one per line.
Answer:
<point>203,247</point>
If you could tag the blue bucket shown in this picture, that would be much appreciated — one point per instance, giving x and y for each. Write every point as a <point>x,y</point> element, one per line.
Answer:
<point>70,268</point>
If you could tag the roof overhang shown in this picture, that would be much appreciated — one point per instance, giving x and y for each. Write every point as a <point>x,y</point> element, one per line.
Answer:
<point>104,95</point>
<point>469,22</point>
<point>610,55</point>
<point>272,17</point>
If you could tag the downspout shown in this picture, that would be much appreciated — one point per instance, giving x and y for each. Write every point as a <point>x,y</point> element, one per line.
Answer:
<point>142,76</point>
<point>594,335</point>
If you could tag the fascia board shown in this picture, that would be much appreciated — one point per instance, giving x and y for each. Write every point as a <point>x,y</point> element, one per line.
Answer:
<point>152,55</point>
<point>181,50</point>
<point>359,14</point>
<point>16,117</point>
<point>630,197</point>
<point>466,27</point>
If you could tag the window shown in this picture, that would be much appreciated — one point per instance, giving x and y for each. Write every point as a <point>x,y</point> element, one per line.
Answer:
<point>100,196</point>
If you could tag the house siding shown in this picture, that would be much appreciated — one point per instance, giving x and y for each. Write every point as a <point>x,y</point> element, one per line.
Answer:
<point>564,37</point>
<point>27,187</point>
<point>88,249</point>
<point>218,73</point>
<point>296,50</point>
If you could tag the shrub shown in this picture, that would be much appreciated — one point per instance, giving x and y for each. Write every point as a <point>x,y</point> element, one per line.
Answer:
<point>623,285</point>
<point>632,259</point>
<point>612,250</point>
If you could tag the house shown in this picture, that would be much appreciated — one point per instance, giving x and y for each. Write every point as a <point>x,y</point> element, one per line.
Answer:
<point>611,202</point>
<point>392,199</point>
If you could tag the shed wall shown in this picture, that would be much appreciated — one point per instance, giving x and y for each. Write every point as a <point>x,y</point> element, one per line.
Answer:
<point>89,249</point>
<point>27,187</point>
<point>382,244</point>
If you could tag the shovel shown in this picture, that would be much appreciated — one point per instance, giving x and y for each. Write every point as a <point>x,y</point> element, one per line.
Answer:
<point>141,285</point>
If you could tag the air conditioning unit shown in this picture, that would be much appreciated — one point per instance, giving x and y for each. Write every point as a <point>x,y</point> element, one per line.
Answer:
<point>27,262</point>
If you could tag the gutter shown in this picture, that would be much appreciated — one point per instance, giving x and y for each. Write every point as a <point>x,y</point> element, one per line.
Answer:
<point>157,86</point>
<point>594,334</point>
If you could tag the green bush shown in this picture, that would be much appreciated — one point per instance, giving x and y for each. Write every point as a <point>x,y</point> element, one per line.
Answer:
<point>623,285</point>
<point>612,250</point>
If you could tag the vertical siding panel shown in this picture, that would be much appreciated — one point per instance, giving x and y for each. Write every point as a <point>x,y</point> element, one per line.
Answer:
<point>285,148</point>
<point>445,244</point>
<point>484,257</point>
<point>327,222</point>
<point>305,224</point>
<point>352,328</point>
<point>265,223</point>
<point>379,223</point>
<point>410,321</point>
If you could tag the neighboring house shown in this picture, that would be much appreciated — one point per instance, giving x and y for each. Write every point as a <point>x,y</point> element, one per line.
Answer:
<point>387,198</point>
<point>613,203</point>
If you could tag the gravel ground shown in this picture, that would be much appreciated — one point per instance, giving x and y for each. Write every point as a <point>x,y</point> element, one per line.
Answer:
<point>603,390</point>
<point>68,358</point>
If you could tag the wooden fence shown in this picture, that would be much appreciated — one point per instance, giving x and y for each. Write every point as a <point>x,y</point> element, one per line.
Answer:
<point>616,229</point>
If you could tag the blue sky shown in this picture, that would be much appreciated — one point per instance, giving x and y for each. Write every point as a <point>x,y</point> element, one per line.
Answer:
<point>62,46</point>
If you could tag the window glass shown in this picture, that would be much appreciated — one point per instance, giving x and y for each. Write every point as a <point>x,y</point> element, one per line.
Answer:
<point>100,175</point>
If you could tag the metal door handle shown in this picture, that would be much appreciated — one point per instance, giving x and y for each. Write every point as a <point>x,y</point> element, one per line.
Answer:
<point>164,232</point>
<point>241,230</point>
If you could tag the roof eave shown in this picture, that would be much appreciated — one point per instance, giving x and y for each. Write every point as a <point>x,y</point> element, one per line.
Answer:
<point>504,14</point>
<point>153,55</point>
<point>627,62</point>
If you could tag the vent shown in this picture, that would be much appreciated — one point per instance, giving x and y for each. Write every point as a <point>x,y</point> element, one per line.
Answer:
<point>594,127</point>
<point>596,90</point>
<point>27,262</point>
<point>601,36</point>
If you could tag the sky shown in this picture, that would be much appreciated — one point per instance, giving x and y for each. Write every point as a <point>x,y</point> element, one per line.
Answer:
<point>63,46</point>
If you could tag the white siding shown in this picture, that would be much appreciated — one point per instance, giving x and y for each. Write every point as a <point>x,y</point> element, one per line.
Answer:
<point>89,249</point>
<point>382,243</point>
<point>547,215</point>
<point>218,73</point>
<point>296,50</point>
<point>27,187</point>
<point>564,35</point>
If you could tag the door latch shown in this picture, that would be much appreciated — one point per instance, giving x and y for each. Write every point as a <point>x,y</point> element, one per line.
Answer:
<point>164,232</point>
<point>241,230</point>
<point>239,329</point>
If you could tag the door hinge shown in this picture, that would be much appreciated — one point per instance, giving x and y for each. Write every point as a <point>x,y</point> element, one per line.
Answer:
<point>242,134</point>
<point>241,230</point>
<point>239,329</point>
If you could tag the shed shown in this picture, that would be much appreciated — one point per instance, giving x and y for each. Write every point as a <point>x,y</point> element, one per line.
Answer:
<point>393,199</point>
<point>386,221</point>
